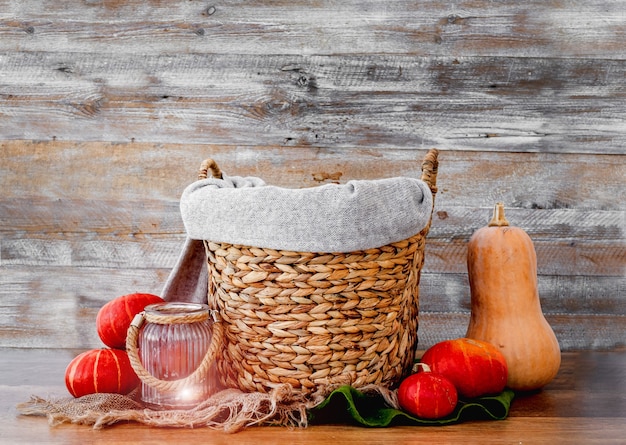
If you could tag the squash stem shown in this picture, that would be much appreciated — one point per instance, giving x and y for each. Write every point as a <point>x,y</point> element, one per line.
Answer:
<point>498,219</point>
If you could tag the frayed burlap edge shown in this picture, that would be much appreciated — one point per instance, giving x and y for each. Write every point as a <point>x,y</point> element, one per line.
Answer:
<point>229,410</point>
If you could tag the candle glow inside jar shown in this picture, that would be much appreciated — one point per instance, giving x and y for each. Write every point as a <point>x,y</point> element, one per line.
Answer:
<point>172,345</point>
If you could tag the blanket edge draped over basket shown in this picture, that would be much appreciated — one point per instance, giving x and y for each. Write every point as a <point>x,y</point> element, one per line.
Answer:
<point>358,215</point>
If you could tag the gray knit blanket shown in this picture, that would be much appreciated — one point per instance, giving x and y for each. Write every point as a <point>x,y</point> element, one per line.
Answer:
<point>357,215</point>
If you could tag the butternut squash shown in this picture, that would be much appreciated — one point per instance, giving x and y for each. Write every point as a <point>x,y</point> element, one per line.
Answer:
<point>505,306</point>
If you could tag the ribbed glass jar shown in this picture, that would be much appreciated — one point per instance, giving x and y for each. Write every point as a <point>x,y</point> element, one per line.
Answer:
<point>172,343</point>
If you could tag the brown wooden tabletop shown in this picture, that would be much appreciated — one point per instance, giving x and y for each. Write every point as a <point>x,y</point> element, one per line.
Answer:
<point>586,403</point>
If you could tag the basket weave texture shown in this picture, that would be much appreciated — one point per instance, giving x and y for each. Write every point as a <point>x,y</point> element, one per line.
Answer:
<point>317,320</point>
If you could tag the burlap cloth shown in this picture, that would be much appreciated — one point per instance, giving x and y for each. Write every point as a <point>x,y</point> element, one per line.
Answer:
<point>228,410</point>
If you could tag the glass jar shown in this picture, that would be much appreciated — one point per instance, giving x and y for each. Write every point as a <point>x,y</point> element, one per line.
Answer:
<point>172,344</point>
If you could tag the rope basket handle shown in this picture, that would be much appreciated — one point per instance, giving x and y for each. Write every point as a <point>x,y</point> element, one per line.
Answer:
<point>430,165</point>
<point>209,164</point>
<point>171,385</point>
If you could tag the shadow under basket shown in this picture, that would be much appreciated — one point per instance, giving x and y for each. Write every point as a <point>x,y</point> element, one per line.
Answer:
<point>316,320</point>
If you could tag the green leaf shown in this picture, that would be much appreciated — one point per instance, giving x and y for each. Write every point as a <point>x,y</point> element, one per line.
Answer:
<point>349,405</point>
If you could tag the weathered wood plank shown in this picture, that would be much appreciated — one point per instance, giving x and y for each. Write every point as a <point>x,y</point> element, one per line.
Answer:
<point>41,307</point>
<point>88,219</point>
<point>56,306</point>
<point>563,258</point>
<point>574,332</point>
<point>130,234</point>
<point>592,258</point>
<point>519,104</point>
<point>590,29</point>
<point>440,290</point>
<point>62,219</point>
<point>153,172</point>
<point>559,294</point>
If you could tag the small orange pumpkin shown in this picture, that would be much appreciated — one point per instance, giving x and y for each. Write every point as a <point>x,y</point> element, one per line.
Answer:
<point>100,371</point>
<point>115,317</point>
<point>427,394</point>
<point>476,368</point>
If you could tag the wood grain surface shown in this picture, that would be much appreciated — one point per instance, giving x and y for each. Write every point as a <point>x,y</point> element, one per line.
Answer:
<point>107,109</point>
<point>584,404</point>
<point>379,101</point>
<point>592,28</point>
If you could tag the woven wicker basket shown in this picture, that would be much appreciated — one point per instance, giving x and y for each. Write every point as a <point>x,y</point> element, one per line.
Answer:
<point>316,320</point>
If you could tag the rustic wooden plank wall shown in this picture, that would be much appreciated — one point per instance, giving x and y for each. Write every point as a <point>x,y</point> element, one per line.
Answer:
<point>107,108</point>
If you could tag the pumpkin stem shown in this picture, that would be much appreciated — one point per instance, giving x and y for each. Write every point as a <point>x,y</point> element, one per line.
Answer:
<point>418,365</point>
<point>498,219</point>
